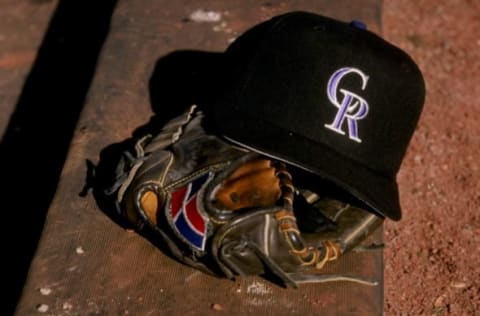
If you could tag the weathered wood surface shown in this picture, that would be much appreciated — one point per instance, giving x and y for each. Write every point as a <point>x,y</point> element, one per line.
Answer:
<point>155,60</point>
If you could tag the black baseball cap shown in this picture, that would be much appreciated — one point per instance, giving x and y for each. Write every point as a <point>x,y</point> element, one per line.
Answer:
<point>327,96</point>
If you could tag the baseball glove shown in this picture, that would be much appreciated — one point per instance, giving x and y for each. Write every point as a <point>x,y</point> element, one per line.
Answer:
<point>232,212</point>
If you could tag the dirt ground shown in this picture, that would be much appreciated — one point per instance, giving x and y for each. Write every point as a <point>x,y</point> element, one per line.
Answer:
<point>432,254</point>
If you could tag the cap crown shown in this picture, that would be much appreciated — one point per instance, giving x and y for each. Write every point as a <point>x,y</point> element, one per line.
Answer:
<point>325,83</point>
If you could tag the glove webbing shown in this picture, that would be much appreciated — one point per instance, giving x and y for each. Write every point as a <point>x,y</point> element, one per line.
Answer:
<point>308,255</point>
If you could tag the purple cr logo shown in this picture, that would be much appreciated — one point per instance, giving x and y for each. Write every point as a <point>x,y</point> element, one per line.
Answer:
<point>351,106</point>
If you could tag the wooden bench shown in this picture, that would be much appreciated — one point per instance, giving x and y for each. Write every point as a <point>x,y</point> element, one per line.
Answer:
<point>97,78</point>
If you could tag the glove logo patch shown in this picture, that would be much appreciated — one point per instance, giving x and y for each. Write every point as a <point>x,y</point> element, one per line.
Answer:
<point>187,219</point>
<point>351,107</point>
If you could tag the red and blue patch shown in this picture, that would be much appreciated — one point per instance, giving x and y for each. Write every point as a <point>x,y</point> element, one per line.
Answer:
<point>187,219</point>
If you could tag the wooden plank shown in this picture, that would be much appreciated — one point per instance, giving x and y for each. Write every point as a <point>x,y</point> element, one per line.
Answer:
<point>157,61</point>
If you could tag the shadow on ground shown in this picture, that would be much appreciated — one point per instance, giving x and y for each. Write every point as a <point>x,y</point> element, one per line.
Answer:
<point>36,142</point>
<point>179,79</point>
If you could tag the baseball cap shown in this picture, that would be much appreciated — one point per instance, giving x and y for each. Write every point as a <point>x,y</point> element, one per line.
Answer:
<point>327,96</point>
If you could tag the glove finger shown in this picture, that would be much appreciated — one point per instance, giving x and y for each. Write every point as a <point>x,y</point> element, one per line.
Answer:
<point>253,184</point>
<point>250,167</point>
<point>149,204</point>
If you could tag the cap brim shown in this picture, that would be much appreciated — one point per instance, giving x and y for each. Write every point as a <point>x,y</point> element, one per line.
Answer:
<point>377,191</point>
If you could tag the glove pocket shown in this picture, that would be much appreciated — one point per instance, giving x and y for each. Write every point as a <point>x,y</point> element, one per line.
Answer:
<point>253,244</point>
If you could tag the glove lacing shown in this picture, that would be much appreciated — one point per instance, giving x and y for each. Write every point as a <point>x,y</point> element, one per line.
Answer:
<point>308,255</point>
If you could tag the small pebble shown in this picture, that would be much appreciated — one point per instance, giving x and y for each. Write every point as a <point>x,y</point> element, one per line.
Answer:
<point>217,307</point>
<point>439,301</point>
<point>42,308</point>
<point>45,291</point>
<point>67,306</point>
<point>80,250</point>
<point>205,16</point>
<point>459,285</point>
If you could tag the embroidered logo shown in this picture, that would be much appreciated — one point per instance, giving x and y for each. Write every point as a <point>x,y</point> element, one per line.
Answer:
<point>351,107</point>
<point>187,219</point>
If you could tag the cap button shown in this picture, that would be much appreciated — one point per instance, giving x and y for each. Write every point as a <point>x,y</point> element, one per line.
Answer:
<point>358,24</point>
